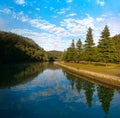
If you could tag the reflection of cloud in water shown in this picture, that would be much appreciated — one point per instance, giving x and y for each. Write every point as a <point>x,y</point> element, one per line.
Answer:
<point>48,84</point>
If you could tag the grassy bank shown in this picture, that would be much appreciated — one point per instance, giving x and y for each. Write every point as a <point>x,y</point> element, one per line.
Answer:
<point>110,69</point>
<point>109,75</point>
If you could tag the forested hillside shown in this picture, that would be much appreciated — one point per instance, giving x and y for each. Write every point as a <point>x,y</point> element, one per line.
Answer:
<point>15,48</point>
<point>54,55</point>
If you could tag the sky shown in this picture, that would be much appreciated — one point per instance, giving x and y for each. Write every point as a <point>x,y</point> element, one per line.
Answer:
<point>52,24</point>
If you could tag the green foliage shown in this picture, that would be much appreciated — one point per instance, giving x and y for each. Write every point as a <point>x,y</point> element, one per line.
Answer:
<point>106,47</point>
<point>71,52</point>
<point>105,33</point>
<point>89,46</point>
<point>116,40</point>
<point>107,50</point>
<point>79,50</point>
<point>54,55</point>
<point>15,48</point>
<point>64,56</point>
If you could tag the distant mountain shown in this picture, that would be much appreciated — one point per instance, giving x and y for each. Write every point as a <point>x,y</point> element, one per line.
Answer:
<point>54,55</point>
<point>15,48</point>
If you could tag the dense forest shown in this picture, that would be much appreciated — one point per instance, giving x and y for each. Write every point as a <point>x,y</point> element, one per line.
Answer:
<point>15,48</point>
<point>54,55</point>
<point>107,50</point>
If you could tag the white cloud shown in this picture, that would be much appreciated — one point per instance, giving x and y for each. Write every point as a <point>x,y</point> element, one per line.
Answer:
<point>99,19</point>
<point>49,36</point>
<point>38,9</point>
<point>49,41</point>
<point>6,11</point>
<point>63,11</point>
<point>78,26</point>
<point>68,1</point>
<point>21,2</point>
<point>72,14</point>
<point>101,2</point>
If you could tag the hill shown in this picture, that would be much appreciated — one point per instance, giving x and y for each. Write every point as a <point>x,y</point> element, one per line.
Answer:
<point>15,48</point>
<point>54,55</point>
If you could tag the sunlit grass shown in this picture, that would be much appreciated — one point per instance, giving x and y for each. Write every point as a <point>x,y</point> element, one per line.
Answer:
<point>110,69</point>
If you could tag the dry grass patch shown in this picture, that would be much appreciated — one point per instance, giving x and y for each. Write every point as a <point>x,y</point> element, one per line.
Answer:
<point>110,69</point>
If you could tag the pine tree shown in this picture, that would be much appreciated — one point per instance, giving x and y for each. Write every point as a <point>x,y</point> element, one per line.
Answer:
<point>89,46</point>
<point>116,39</point>
<point>106,47</point>
<point>64,56</point>
<point>105,33</point>
<point>71,52</point>
<point>79,50</point>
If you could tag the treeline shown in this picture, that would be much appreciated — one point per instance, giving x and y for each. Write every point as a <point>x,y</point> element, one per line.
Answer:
<point>15,48</point>
<point>54,55</point>
<point>107,50</point>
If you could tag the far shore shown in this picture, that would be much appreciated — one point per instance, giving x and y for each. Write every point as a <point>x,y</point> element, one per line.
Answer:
<point>94,76</point>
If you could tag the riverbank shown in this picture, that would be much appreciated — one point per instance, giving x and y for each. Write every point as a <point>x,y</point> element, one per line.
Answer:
<point>95,76</point>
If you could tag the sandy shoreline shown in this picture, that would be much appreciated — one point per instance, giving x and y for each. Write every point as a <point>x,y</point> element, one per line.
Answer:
<point>102,78</point>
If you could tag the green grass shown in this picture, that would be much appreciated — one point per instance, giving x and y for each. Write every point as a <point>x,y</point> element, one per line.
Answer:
<point>110,69</point>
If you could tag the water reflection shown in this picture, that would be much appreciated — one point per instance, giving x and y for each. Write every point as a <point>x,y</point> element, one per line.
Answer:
<point>44,90</point>
<point>105,95</point>
<point>12,75</point>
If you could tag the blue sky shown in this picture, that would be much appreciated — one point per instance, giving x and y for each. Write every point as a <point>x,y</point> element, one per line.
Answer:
<point>54,23</point>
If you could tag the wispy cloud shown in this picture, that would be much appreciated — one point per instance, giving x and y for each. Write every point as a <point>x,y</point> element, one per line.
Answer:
<point>78,27</point>
<point>69,1</point>
<point>49,36</point>
<point>99,19</point>
<point>101,2</point>
<point>5,10</point>
<point>63,10</point>
<point>38,9</point>
<point>21,2</point>
<point>72,14</point>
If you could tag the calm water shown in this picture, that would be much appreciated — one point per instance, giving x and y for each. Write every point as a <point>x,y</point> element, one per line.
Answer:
<point>46,91</point>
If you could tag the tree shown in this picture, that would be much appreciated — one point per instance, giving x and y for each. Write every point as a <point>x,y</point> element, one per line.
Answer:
<point>116,39</point>
<point>105,33</point>
<point>88,47</point>
<point>78,50</point>
<point>15,48</point>
<point>106,47</point>
<point>71,52</point>
<point>64,56</point>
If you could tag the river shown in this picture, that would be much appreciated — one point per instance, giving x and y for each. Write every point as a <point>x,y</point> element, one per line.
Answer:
<point>43,90</point>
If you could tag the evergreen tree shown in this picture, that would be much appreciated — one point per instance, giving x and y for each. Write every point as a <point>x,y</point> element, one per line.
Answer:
<point>106,47</point>
<point>116,39</point>
<point>71,52</point>
<point>89,46</point>
<point>64,56</point>
<point>79,50</point>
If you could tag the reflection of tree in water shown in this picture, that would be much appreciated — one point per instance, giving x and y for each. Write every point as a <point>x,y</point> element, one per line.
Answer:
<point>82,84</point>
<point>12,75</point>
<point>105,96</point>
<point>71,78</point>
<point>79,82</point>
<point>89,91</point>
